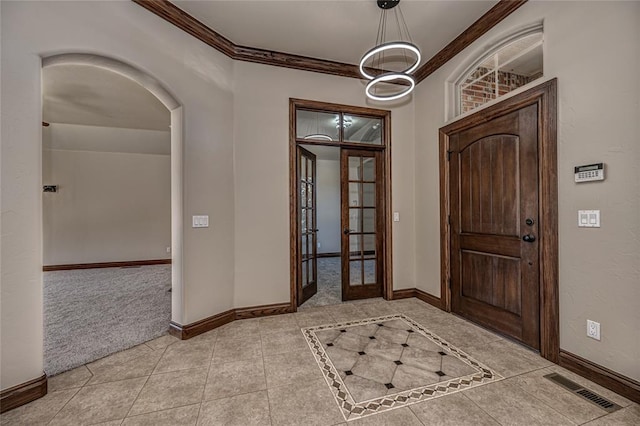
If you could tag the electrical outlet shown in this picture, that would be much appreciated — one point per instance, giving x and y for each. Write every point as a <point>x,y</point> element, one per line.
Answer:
<point>168,249</point>
<point>593,329</point>
<point>318,244</point>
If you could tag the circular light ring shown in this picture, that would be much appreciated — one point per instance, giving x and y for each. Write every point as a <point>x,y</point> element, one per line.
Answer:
<point>390,46</point>
<point>386,78</point>
<point>319,136</point>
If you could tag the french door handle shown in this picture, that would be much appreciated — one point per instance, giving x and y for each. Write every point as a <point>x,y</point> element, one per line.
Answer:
<point>347,231</point>
<point>529,238</point>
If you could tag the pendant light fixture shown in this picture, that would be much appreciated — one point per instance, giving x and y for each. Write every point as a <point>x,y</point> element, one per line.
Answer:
<point>388,51</point>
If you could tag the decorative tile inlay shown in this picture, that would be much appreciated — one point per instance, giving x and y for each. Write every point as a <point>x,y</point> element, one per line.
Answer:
<point>383,371</point>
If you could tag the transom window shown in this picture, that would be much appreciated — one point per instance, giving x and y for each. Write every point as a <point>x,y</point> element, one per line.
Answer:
<point>338,127</point>
<point>512,64</point>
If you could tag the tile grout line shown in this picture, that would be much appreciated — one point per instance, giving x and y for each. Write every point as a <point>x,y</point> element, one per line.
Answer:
<point>93,375</point>
<point>206,380</point>
<point>266,389</point>
<point>164,351</point>
<point>66,403</point>
<point>480,408</point>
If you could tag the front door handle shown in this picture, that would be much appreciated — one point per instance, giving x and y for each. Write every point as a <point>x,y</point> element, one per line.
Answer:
<point>529,238</point>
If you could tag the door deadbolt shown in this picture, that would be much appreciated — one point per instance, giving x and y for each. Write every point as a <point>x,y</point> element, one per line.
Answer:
<point>529,221</point>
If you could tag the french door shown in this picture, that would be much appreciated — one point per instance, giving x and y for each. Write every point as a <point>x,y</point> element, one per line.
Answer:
<point>308,258</point>
<point>362,223</point>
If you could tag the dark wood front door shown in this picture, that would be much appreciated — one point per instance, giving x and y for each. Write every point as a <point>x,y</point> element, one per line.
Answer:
<point>494,224</point>
<point>362,223</point>
<point>308,256</point>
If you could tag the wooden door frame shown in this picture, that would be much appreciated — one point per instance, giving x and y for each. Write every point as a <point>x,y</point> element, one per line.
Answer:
<point>545,96</point>
<point>385,115</point>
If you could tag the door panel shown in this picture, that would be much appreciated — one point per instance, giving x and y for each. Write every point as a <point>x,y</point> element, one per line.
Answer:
<point>494,190</point>
<point>362,275</point>
<point>308,266</point>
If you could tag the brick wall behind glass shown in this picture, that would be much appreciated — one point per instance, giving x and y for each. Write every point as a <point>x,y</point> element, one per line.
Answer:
<point>484,90</point>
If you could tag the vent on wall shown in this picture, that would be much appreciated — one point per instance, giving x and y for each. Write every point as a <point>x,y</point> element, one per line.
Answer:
<point>50,188</point>
<point>590,396</point>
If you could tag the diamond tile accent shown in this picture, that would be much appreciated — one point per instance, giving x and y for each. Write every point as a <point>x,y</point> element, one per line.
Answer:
<point>373,370</point>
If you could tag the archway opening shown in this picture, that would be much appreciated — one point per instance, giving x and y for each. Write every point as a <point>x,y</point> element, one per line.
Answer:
<point>112,209</point>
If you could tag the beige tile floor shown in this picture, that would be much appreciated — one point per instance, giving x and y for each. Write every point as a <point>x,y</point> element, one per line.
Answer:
<point>260,371</point>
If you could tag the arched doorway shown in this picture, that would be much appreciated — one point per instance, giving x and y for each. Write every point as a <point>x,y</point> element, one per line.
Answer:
<point>155,88</point>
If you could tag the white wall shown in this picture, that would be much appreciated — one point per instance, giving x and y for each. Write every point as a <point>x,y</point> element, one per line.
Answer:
<point>328,204</point>
<point>110,206</point>
<point>261,142</point>
<point>597,66</point>
<point>198,76</point>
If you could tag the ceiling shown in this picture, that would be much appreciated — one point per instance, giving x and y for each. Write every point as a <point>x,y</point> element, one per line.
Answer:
<point>80,94</point>
<point>332,30</point>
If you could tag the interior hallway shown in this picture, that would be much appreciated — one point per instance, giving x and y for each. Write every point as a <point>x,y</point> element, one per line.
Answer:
<point>261,371</point>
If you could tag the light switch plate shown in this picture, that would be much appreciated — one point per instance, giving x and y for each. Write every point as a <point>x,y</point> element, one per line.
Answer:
<point>396,216</point>
<point>200,221</point>
<point>589,218</point>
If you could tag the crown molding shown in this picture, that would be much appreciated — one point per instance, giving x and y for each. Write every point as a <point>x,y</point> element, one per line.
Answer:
<point>487,21</point>
<point>181,19</point>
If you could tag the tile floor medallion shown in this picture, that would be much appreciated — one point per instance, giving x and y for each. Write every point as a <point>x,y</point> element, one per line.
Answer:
<point>388,362</point>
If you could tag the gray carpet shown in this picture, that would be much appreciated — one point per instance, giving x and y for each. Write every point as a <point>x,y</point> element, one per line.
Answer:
<point>91,313</point>
<point>329,284</point>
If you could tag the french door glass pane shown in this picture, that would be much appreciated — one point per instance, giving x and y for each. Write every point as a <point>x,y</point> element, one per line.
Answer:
<point>303,168</point>
<point>369,244</point>
<point>369,271</point>
<point>310,224</point>
<point>354,168</point>
<point>355,245</point>
<point>303,194</point>
<point>369,220</point>
<point>303,245</point>
<point>355,220</point>
<point>355,272</point>
<point>305,280</point>
<point>369,194</point>
<point>369,169</point>
<point>309,175</point>
<point>354,194</point>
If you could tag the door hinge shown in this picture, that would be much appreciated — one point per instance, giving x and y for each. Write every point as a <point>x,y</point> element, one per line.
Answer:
<point>449,283</point>
<point>449,155</point>
<point>449,219</point>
